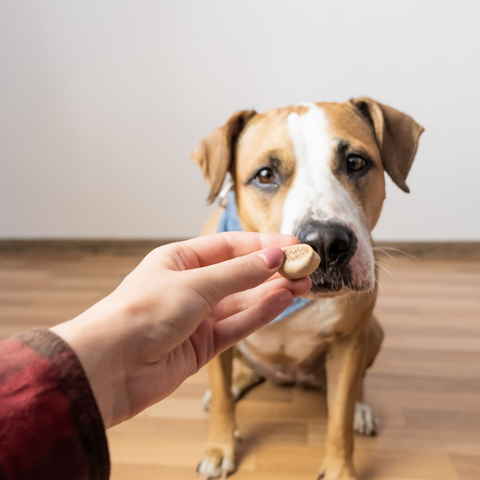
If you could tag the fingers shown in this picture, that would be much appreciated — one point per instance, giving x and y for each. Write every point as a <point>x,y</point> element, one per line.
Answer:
<point>220,247</point>
<point>239,326</point>
<point>239,302</point>
<point>219,281</point>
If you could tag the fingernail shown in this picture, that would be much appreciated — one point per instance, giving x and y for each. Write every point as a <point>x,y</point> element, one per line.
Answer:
<point>273,257</point>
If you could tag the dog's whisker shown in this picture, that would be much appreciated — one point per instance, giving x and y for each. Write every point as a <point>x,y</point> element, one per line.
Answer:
<point>393,249</point>
<point>385,263</point>
<point>381,250</point>
<point>379,286</point>
<point>389,273</point>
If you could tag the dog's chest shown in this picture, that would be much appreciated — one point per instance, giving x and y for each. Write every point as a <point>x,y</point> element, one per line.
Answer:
<point>292,350</point>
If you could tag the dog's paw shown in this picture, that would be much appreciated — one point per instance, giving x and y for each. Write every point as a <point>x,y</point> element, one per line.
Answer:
<point>365,422</point>
<point>325,476</point>
<point>336,471</point>
<point>334,474</point>
<point>217,460</point>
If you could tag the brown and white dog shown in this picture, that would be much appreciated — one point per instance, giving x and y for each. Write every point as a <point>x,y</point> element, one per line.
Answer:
<point>315,171</point>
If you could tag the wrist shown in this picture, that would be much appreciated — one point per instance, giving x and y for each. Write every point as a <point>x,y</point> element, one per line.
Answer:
<point>94,339</point>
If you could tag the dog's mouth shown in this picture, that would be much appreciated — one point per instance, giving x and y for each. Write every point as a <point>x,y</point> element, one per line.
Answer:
<point>333,281</point>
<point>326,287</point>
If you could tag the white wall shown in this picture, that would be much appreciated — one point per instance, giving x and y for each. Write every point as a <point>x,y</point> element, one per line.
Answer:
<point>102,102</point>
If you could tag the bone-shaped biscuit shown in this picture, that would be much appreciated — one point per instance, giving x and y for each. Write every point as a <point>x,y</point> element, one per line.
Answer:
<point>300,261</point>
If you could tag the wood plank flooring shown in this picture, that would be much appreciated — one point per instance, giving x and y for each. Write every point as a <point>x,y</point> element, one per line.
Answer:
<point>424,386</point>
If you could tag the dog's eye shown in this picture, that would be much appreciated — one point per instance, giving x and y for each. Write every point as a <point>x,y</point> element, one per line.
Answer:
<point>265,175</point>
<point>355,163</point>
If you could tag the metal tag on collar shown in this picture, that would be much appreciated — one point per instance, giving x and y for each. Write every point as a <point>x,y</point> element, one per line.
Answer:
<point>222,196</point>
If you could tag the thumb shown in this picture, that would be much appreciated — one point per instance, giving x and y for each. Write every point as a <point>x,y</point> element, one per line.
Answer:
<point>239,274</point>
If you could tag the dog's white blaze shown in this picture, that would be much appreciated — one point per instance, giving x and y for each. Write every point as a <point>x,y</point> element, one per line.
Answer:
<point>317,195</point>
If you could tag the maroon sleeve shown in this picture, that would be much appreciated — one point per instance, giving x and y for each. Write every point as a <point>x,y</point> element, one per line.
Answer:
<point>50,425</point>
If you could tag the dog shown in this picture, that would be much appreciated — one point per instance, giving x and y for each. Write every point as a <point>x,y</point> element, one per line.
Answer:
<point>315,171</point>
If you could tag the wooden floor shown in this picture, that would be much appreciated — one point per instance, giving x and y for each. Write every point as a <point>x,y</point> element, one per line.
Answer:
<point>424,386</point>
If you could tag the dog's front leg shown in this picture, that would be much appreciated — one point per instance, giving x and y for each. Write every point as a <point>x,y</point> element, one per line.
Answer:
<point>344,365</point>
<point>218,455</point>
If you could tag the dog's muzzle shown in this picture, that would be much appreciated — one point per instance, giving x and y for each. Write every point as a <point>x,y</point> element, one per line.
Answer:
<point>336,243</point>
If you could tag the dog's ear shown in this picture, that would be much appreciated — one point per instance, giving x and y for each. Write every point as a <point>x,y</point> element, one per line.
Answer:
<point>216,152</point>
<point>397,137</point>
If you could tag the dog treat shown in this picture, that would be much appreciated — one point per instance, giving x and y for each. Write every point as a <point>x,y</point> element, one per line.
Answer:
<point>300,261</point>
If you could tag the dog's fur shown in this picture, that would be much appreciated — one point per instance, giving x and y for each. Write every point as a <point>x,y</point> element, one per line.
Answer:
<point>311,151</point>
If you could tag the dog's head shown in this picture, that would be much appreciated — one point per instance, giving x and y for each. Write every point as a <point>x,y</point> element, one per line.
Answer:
<point>315,171</point>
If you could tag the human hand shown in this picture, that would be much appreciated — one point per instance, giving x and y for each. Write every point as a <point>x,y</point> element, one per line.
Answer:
<point>185,303</point>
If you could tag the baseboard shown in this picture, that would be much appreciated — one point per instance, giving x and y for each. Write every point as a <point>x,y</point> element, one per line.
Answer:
<point>433,250</point>
<point>90,246</point>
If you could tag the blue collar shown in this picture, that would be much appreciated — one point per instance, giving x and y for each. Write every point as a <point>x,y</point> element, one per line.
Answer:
<point>229,222</point>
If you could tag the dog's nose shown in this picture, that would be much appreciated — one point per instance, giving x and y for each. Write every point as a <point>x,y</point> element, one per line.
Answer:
<point>335,242</point>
